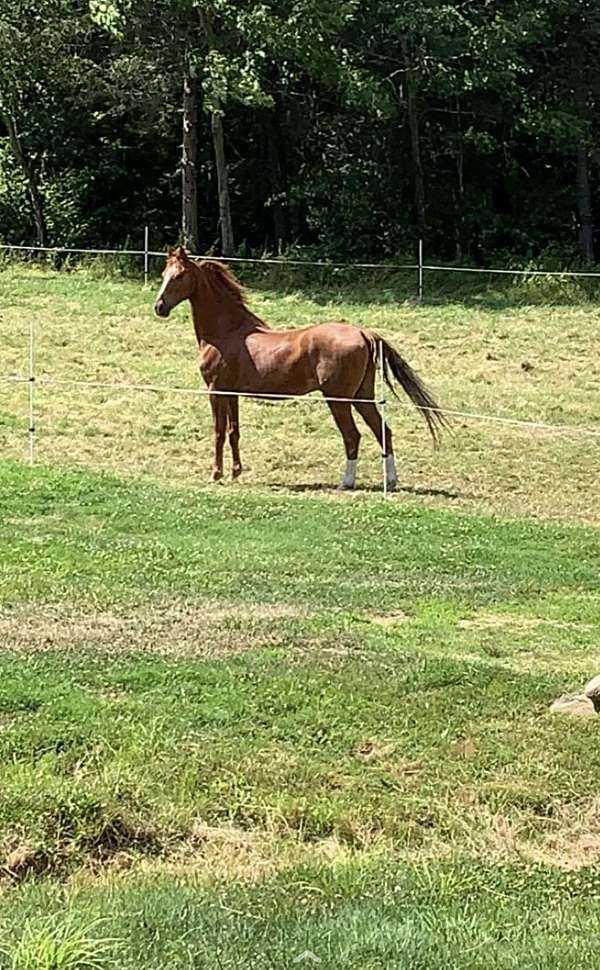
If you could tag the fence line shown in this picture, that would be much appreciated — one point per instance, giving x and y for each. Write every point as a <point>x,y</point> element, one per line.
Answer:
<point>226,259</point>
<point>66,249</point>
<point>512,272</point>
<point>524,423</point>
<point>197,391</point>
<point>323,264</point>
<point>146,254</point>
<point>420,267</point>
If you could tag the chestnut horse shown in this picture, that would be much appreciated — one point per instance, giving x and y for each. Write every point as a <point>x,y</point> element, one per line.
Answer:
<point>238,352</point>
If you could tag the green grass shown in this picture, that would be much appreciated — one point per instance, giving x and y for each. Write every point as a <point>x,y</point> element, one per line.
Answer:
<point>365,917</point>
<point>241,728</point>
<point>113,539</point>
<point>56,943</point>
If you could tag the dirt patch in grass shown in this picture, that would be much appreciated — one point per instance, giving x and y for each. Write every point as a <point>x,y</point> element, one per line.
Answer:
<point>487,621</point>
<point>566,836</point>
<point>217,852</point>
<point>574,839</point>
<point>569,839</point>
<point>390,619</point>
<point>23,860</point>
<point>112,844</point>
<point>175,629</point>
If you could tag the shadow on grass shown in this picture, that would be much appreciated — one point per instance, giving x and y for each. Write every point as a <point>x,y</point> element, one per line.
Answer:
<point>325,287</point>
<point>325,487</point>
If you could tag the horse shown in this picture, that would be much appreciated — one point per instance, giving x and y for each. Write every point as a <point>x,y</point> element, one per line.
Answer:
<point>240,353</point>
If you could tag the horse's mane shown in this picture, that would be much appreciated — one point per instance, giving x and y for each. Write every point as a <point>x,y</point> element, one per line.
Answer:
<point>223,278</point>
<point>225,282</point>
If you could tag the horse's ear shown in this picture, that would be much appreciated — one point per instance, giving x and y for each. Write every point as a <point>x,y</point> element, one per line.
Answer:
<point>170,251</point>
<point>181,254</point>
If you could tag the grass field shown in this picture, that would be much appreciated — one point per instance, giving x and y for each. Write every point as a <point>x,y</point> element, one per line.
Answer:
<point>471,349</point>
<point>236,726</point>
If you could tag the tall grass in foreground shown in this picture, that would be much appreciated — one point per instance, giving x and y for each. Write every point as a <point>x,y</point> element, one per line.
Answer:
<point>58,943</point>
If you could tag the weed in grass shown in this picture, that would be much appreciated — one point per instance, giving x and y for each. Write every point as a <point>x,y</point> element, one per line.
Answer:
<point>59,943</point>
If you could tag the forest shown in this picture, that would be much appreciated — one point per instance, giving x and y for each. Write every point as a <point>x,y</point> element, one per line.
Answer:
<point>331,128</point>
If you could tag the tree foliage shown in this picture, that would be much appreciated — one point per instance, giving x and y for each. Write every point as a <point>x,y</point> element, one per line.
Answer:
<point>348,128</point>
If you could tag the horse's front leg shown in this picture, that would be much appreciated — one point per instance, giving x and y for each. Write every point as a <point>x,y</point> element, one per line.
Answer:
<point>234,434</point>
<point>219,407</point>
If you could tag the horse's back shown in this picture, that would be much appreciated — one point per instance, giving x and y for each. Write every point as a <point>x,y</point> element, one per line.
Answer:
<point>334,330</point>
<point>340,355</point>
<point>319,337</point>
<point>332,357</point>
<point>339,339</point>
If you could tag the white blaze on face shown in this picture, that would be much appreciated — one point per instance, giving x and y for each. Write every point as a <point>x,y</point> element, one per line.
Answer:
<point>166,280</point>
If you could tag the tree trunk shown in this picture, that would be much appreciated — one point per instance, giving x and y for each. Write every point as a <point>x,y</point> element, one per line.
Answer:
<point>460,187</point>
<point>277,178</point>
<point>583,192</point>
<point>584,203</point>
<point>35,196</point>
<point>216,124</point>
<point>189,162</point>
<point>218,138</point>
<point>415,138</point>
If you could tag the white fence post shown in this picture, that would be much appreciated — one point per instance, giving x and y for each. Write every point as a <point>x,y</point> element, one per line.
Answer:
<point>420,268</point>
<point>31,392</point>
<point>382,405</point>
<point>146,247</point>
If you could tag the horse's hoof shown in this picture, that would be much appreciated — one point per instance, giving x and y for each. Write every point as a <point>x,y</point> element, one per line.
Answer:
<point>392,486</point>
<point>236,471</point>
<point>216,476</point>
<point>345,488</point>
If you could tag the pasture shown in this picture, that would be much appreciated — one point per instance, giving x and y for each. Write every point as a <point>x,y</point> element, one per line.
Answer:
<point>529,353</point>
<point>243,721</point>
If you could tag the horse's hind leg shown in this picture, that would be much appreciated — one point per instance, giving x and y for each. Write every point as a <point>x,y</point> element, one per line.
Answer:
<point>234,434</point>
<point>382,432</point>
<point>342,415</point>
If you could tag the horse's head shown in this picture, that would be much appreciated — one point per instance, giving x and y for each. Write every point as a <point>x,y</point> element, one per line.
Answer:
<point>178,281</point>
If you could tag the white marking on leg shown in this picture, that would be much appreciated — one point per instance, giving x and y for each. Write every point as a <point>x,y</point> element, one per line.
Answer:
<point>349,479</point>
<point>391,475</point>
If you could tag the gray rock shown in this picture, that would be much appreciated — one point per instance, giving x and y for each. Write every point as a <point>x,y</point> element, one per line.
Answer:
<point>592,690</point>
<point>577,705</point>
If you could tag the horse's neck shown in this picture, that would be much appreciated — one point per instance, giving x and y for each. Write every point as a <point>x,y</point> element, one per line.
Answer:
<point>215,320</point>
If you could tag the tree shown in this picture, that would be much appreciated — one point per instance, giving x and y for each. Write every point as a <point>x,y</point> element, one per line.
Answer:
<point>561,101</point>
<point>189,159</point>
<point>41,37</point>
<point>344,126</point>
<point>214,104</point>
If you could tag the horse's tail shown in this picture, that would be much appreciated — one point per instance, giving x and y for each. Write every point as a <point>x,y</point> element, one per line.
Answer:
<point>411,383</point>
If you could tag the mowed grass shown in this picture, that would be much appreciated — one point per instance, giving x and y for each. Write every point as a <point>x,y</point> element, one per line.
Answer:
<point>234,729</point>
<point>529,353</point>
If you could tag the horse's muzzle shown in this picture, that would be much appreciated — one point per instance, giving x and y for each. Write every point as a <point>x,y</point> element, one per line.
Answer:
<point>161,309</point>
